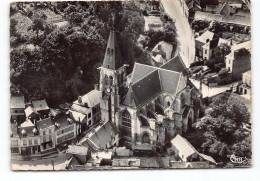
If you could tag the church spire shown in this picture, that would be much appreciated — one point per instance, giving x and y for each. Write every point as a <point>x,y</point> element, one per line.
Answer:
<point>112,58</point>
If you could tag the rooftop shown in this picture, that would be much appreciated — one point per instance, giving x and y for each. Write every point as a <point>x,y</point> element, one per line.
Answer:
<point>147,82</point>
<point>29,110</point>
<point>77,150</point>
<point>40,105</point>
<point>240,20</point>
<point>208,35</point>
<point>28,131</point>
<point>100,135</point>
<point>182,144</point>
<point>63,121</point>
<point>90,99</point>
<point>17,102</point>
<point>165,48</point>
<point>44,123</point>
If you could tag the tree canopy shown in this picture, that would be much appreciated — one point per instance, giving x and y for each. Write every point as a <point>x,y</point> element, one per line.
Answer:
<point>224,128</point>
<point>59,63</point>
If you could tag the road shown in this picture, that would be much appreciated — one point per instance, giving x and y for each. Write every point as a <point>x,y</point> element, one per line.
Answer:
<point>43,164</point>
<point>185,36</point>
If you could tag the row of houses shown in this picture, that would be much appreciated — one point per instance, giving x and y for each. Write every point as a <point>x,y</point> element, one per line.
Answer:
<point>181,154</point>
<point>221,8</point>
<point>37,129</point>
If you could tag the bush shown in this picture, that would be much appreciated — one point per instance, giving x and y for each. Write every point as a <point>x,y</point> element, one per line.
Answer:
<point>223,72</point>
<point>198,63</point>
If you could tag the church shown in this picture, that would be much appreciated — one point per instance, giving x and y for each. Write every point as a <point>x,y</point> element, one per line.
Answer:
<point>143,103</point>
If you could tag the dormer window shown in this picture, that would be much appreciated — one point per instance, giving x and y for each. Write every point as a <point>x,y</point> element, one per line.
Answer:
<point>112,51</point>
<point>108,50</point>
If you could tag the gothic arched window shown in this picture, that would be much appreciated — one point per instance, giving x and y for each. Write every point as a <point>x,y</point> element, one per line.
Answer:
<point>146,138</point>
<point>126,123</point>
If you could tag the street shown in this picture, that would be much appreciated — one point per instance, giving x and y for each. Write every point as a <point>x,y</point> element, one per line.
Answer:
<point>43,164</point>
<point>185,36</point>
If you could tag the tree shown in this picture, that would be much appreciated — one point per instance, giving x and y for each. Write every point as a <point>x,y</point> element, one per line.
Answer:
<point>221,52</point>
<point>39,23</point>
<point>223,128</point>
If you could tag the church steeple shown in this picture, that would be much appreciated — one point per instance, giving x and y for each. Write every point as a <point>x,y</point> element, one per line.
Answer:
<point>112,58</point>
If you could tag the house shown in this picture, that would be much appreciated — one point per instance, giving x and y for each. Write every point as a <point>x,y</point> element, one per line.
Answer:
<point>189,165</point>
<point>80,153</point>
<point>205,44</point>
<point>41,107</point>
<point>46,130</point>
<point>31,113</point>
<point>102,136</point>
<point>183,150</point>
<point>192,7</point>
<point>245,87</point>
<point>162,53</point>
<point>86,110</point>
<point>231,20</point>
<point>209,48</point>
<point>222,9</point>
<point>239,59</point>
<point>153,23</point>
<point>123,152</point>
<point>17,107</point>
<point>155,162</point>
<point>65,129</point>
<point>29,139</point>
<point>126,162</point>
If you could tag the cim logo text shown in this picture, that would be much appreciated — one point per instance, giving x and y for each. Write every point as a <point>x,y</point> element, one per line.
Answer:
<point>236,159</point>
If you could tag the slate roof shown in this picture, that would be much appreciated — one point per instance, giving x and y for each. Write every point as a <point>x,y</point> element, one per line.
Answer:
<point>44,123</point>
<point>91,99</point>
<point>146,88</point>
<point>140,71</point>
<point>100,135</point>
<point>29,130</point>
<point>240,20</point>
<point>77,150</point>
<point>62,121</point>
<point>175,64</point>
<point>40,105</point>
<point>147,82</point>
<point>112,59</point>
<point>17,102</point>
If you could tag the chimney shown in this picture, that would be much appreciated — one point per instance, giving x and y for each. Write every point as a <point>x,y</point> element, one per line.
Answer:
<point>96,86</point>
<point>80,99</point>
